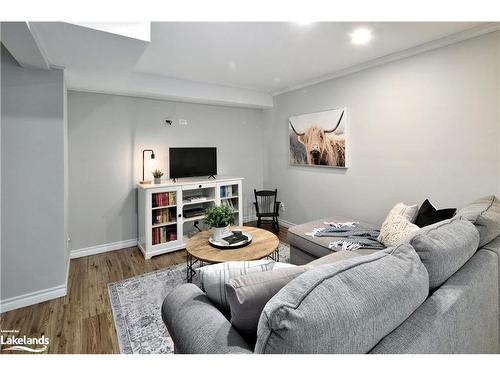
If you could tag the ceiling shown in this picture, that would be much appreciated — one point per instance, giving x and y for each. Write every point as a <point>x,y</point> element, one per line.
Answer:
<point>272,56</point>
<point>239,62</point>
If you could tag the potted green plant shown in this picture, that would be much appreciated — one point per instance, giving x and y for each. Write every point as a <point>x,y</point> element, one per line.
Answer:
<point>219,218</point>
<point>157,175</point>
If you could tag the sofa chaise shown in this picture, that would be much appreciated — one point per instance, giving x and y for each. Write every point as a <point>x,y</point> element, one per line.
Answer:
<point>436,293</point>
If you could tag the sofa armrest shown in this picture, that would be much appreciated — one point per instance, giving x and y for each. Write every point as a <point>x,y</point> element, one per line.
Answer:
<point>197,326</point>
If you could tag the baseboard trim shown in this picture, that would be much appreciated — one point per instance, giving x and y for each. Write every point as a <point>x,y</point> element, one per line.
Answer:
<point>98,249</point>
<point>32,298</point>
<point>286,223</point>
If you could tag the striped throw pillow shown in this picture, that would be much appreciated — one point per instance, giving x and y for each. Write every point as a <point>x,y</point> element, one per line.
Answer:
<point>214,277</point>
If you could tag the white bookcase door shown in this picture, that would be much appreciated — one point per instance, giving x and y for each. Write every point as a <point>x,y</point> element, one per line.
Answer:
<point>169,222</point>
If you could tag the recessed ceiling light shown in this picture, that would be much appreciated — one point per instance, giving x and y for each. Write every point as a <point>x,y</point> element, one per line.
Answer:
<point>304,23</point>
<point>361,36</point>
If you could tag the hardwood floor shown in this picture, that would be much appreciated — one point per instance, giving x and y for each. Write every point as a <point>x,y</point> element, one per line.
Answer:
<point>82,321</point>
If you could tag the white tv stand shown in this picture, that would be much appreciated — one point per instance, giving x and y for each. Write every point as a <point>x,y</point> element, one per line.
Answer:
<point>168,211</point>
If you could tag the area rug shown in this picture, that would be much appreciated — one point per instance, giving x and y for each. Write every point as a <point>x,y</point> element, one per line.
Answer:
<point>136,305</point>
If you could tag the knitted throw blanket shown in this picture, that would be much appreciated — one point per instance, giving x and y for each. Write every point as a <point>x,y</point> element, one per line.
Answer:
<point>355,236</point>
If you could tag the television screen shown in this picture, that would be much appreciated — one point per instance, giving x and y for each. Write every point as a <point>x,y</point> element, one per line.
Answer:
<point>192,161</point>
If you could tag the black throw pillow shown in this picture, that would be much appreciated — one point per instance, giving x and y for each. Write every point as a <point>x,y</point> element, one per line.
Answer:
<point>427,214</point>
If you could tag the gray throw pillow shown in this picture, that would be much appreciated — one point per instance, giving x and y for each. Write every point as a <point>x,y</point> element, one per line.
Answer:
<point>346,306</point>
<point>248,294</point>
<point>484,213</point>
<point>444,247</point>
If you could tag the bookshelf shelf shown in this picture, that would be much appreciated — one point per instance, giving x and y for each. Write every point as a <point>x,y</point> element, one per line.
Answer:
<point>162,207</point>
<point>187,203</point>
<point>194,218</point>
<point>164,204</point>
<point>163,224</point>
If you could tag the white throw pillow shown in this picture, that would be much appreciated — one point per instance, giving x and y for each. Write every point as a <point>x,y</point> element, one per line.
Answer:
<point>395,230</point>
<point>408,212</point>
<point>214,277</point>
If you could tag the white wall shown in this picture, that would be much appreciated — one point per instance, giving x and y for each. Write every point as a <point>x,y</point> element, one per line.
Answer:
<point>32,250</point>
<point>107,134</point>
<point>423,127</point>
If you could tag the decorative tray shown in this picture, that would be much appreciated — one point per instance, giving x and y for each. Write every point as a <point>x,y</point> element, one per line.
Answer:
<point>227,246</point>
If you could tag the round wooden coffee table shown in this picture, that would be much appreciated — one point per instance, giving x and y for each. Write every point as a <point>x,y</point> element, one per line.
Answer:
<point>264,244</point>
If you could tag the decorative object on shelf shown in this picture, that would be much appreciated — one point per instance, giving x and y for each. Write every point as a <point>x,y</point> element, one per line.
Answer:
<point>157,175</point>
<point>219,218</point>
<point>152,158</point>
<point>319,139</point>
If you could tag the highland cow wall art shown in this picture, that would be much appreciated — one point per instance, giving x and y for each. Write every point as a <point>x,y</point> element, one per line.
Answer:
<point>319,139</point>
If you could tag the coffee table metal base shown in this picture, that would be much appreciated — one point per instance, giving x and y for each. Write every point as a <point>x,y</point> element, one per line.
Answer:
<point>192,261</point>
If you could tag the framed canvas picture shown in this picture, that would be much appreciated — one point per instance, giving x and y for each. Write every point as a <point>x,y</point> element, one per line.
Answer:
<point>319,139</point>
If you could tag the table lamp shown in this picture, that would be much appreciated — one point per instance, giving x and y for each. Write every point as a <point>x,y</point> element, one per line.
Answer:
<point>152,157</point>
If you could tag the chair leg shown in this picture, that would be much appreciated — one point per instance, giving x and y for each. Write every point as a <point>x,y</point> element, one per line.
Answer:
<point>276,226</point>
<point>258,222</point>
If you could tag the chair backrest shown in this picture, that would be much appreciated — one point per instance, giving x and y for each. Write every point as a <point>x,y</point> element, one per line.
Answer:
<point>266,200</point>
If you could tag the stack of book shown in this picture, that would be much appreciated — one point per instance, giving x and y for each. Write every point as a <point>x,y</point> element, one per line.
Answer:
<point>163,234</point>
<point>236,237</point>
<point>163,199</point>
<point>196,198</point>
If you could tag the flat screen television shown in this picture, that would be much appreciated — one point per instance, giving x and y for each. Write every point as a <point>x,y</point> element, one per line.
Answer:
<point>192,161</point>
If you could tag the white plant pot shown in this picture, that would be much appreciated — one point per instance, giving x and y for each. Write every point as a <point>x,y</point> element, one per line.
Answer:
<point>157,180</point>
<point>218,233</point>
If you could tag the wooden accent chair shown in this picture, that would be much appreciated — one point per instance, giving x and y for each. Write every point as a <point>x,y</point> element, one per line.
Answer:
<point>267,207</point>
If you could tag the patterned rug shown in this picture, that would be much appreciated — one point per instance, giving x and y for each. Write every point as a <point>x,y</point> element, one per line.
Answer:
<point>136,304</point>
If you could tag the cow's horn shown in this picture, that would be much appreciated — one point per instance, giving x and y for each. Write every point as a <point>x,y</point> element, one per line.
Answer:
<point>338,123</point>
<point>295,131</point>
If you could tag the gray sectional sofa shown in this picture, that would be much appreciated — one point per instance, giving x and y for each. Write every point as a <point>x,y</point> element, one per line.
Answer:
<point>436,293</point>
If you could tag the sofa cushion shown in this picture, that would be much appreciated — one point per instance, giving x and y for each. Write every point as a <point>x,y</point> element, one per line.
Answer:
<point>408,212</point>
<point>395,229</point>
<point>346,306</point>
<point>317,246</point>
<point>444,247</point>
<point>428,215</point>
<point>484,213</point>
<point>334,257</point>
<point>248,294</point>
<point>214,277</point>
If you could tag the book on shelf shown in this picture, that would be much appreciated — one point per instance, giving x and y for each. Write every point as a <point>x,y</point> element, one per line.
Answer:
<point>196,198</point>
<point>163,234</point>
<point>163,199</point>
<point>226,191</point>
<point>228,203</point>
<point>163,216</point>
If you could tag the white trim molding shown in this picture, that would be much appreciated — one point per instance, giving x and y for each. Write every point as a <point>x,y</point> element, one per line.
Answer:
<point>119,245</point>
<point>92,250</point>
<point>412,51</point>
<point>286,223</point>
<point>32,298</point>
